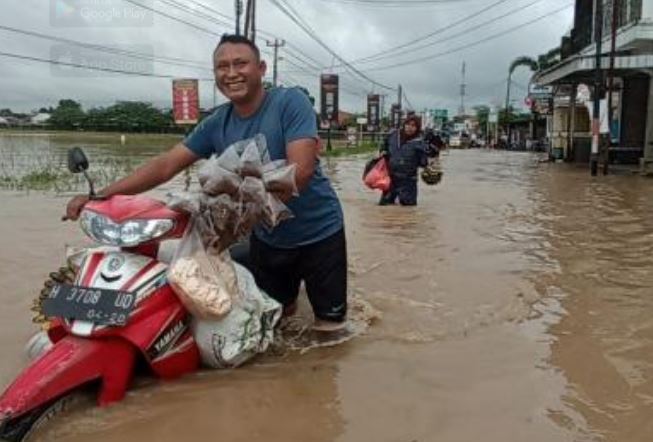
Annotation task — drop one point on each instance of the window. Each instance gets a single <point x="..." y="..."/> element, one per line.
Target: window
<point x="629" y="11"/>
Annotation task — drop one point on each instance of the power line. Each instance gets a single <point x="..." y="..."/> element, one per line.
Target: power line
<point x="396" y="3"/>
<point x="175" y="61"/>
<point x="172" y="17"/>
<point x="430" y="34"/>
<point x="410" y="105"/>
<point x="294" y="16"/>
<point x="92" y="68"/>
<point x="464" y="32"/>
<point x="288" y="10"/>
<point x="124" y="52"/>
<point x="228" y="18"/>
<point x="470" y="45"/>
<point x="292" y="49"/>
<point x="195" y="13"/>
<point x="228" y="21"/>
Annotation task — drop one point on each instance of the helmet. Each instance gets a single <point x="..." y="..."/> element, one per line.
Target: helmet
<point x="431" y="175"/>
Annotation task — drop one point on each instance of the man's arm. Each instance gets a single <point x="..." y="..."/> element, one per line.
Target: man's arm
<point x="303" y="153"/>
<point x="153" y="173"/>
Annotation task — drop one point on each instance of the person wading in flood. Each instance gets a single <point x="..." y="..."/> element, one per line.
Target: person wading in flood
<point x="309" y="247"/>
<point x="406" y="152"/>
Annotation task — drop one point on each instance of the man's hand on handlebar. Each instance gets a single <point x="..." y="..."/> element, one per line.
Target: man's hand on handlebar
<point x="74" y="207"/>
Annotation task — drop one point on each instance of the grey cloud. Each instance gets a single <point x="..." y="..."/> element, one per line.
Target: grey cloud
<point x="353" y="31"/>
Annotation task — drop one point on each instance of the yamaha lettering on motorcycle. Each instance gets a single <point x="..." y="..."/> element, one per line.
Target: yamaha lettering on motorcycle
<point x="168" y="339"/>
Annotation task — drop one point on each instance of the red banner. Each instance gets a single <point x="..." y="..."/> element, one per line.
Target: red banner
<point x="185" y="101"/>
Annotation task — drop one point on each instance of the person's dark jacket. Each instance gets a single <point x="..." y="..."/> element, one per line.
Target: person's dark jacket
<point x="405" y="159"/>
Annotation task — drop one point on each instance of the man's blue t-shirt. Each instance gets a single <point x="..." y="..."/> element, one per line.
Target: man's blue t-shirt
<point x="285" y="115"/>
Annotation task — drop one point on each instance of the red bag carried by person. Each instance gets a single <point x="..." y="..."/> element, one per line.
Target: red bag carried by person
<point x="378" y="176"/>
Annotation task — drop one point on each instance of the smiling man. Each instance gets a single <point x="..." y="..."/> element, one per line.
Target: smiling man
<point x="311" y="246"/>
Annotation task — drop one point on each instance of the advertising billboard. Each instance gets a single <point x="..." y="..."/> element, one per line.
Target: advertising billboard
<point x="185" y="101"/>
<point x="373" y="111"/>
<point x="329" y="97"/>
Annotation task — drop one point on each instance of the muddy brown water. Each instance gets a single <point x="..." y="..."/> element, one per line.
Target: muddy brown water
<point x="515" y="305"/>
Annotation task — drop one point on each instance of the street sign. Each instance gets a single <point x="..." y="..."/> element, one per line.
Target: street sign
<point x="440" y="114"/>
<point x="493" y="118"/>
<point x="361" y="120"/>
<point x="329" y="97"/>
<point x="185" y="101"/>
<point x="535" y="90"/>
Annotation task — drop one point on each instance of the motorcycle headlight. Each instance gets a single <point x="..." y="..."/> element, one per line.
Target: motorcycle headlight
<point x="127" y="234"/>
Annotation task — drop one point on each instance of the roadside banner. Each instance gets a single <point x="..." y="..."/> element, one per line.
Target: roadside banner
<point x="373" y="111"/>
<point x="185" y="101"/>
<point x="329" y="97"/>
<point x="540" y="99"/>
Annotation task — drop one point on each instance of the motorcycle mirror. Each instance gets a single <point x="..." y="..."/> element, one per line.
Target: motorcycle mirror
<point x="77" y="161"/>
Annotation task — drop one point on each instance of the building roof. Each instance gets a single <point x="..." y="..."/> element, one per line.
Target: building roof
<point x="41" y="117"/>
<point x="581" y="68"/>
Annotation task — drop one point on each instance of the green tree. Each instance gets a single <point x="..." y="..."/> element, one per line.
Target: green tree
<point x="482" y="115"/>
<point x="67" y="115"/>
<point x="128" y="116"/>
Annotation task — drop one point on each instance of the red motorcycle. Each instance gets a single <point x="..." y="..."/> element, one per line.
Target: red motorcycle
<point x="119" y="314"/>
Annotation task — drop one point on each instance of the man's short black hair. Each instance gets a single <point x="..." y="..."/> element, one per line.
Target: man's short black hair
<point x="238" y="39"/>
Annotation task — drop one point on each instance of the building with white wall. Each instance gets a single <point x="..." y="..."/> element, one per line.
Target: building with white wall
<point x="632" y="97"/>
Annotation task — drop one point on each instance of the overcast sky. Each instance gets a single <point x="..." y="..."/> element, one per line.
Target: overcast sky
<point x="353" y="29"/>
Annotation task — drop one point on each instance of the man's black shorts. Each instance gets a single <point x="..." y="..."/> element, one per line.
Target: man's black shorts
<point x="322" y="266"/>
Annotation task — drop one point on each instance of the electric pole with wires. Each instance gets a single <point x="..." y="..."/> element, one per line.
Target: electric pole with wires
<point x="276" y="44"/>
<point x="463" y="90"/>
<point x="399" y="97"/>
<point x="250" y="20"/>
<point x="598" y="86"/>
<point x="613" y="42"/>
<point x="238" y="6"/>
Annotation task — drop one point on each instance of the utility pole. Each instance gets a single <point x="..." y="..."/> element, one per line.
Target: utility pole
<point x="399" y="97"/>
<point x="250" y="20"/>
<point x="598" y="85"/>
<point x="613" y="44"/>
<point x="463" y="87"/>
<point x="238" y="6"/>
<point x="508" y="132"/>
<point x="276" y="44"/>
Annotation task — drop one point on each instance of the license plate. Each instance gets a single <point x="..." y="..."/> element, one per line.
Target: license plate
<point x="100" y="306"/>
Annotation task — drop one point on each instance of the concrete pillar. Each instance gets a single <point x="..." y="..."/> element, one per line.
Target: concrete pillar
<point x="574" y="94"/>
<point x="647" y="160"/>
<point x="647" y="10"/>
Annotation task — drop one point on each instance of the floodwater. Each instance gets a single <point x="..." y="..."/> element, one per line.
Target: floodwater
<point x="514" y="304"/>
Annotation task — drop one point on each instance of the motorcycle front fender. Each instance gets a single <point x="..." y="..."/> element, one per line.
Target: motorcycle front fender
<point x="72" y="362"/>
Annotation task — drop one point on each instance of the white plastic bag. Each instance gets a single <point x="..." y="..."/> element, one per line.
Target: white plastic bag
<point x="246" y="331"/>
<point x="205" y="284"/>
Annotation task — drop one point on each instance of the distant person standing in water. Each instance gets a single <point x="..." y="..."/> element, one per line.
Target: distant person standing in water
<point x="406" y="152"/>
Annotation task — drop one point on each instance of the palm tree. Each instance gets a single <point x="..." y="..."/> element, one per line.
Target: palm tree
<point x="517" y="62"/>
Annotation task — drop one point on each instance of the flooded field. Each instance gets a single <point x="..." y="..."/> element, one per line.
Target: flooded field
<point x="514" y="305"/>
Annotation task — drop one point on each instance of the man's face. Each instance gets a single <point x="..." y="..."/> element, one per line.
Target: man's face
<point x="238" y="73"/>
